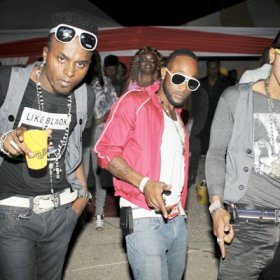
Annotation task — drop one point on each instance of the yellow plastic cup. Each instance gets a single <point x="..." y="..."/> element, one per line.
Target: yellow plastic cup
<point x="37" y="142"/>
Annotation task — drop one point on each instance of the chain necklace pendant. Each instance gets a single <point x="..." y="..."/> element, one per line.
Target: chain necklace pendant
<point x="54" y="155"/>
<point x="271" y="109"/>
<point x="57" y="170"/>
<point x="51" y="165"/>
<point x="275" y="165"/>
<point x="167" y="111"/>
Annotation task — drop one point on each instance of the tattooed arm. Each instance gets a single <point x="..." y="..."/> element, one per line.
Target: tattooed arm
<point x="153" y="190"/>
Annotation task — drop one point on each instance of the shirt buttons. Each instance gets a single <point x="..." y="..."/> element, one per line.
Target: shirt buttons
<point x="241" y="187"/>
<point x="245" y="169"/>
<point x="11" y="118"/>
<point x="248" y="151"/>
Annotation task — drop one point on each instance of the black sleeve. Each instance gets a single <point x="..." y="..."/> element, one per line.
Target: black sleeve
<point x="5" y="73"/>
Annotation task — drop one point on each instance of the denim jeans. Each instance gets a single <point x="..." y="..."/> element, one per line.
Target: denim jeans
<point x="33" y="246"/>
<point x="251" y="250"/>
<point x="157" y="249"/>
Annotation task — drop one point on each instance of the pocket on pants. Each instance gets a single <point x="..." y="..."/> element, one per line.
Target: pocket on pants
<point x="9" y="220"/>
<point x="147" y="224"/>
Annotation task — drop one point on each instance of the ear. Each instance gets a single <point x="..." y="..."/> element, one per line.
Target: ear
<point x="163" y="72"/>
<point x="271" y="55"/>
<point x="45" y="53"/>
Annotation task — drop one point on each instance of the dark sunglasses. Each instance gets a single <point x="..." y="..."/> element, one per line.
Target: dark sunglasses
<point x="65" y="33"/>
<point x="178" y="79"/>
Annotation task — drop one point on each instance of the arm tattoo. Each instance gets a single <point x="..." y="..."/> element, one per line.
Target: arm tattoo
<point x="118" y="169"/>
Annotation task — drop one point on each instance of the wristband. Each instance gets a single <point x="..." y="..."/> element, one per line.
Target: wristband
<point x="2" y="140"/>
<point x="215" y="205"/>
<point x="143" y="184"/>
<point x="84" y="194"/>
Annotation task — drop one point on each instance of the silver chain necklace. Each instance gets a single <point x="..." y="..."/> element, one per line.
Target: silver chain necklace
<point x="166" y="110"/>
<point x="54" y="155"/>
<point x="275" y="165"/>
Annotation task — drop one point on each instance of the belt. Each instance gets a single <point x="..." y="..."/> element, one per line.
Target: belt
<point x="176" y="210"/>
<point x="41" y="203"/>
<point x="247" y="211"/>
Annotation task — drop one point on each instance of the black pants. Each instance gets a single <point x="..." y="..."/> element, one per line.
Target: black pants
<point x="34" y="247"/>
<point x="273" y="271"/>
<point x="251" y="251"/>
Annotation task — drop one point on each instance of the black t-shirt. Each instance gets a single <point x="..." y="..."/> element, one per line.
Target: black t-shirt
<point x="16" y="178"/>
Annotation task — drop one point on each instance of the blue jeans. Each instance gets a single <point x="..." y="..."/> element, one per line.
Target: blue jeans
<point x="251" y="250"/>
<point x="157" y="249"/>
<point x="34" y="246"/>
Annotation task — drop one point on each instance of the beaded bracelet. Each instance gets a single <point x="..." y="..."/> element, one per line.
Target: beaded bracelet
<point x="2" y="140"/>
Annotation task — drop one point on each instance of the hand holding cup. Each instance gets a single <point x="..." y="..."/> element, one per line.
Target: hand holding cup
<point x="37" y="141"/>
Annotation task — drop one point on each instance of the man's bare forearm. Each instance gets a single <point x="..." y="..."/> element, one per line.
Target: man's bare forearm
<point x="120" y="169"/>
<point x="80" y="174"/>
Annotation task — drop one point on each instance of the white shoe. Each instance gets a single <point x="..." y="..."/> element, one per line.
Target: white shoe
<point x="99" y="224"/>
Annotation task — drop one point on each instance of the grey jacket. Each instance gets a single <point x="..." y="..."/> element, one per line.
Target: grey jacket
<point x="8" y="112"/>
<point x="230" y="156"/>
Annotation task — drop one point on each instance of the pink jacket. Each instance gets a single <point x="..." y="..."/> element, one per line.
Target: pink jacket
<point x="134" y="131"/>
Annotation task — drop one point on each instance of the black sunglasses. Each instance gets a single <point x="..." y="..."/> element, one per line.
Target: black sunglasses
<point x="65" y="33"/>
<point x="178" y="79"/>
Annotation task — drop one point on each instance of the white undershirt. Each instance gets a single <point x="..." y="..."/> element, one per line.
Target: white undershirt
<point x="172" y="159"/>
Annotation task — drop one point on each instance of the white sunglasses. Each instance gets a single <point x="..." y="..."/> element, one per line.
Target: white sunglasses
<point x="178" y="79"/>
<point x="65" y="33"/>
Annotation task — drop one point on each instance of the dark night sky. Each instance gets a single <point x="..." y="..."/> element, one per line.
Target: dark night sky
<point x="167" y="12"/>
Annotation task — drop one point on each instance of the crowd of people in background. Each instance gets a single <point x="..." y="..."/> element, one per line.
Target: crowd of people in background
<point x="105" y="95"/>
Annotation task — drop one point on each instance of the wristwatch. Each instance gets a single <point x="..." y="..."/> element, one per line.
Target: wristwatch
<point x="215" y="205"/>
<point x="84" y="194"/>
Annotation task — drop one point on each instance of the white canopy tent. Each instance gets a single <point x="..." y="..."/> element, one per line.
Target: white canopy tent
<point x="23" y="39"/>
